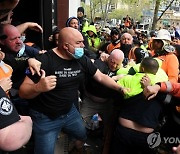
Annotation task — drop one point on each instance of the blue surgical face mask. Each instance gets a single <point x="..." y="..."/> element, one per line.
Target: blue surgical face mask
<point x="78" y="53"/>
<point x="23" y="38"/>
<point x="21" y="52"/>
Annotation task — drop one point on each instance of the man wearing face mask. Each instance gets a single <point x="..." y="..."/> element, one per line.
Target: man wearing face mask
<point x="12" y="45"/>
<point x="126" y="45"/>
<point x="52" y="98"/>
<point x="75" y="23"/>
<point x="16" y="55"/>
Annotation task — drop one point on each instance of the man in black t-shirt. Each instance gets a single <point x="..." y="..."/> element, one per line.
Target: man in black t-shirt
<point x="99" y="98"/>
<point x="52" y="97"/>
<point x="15" y="130"/>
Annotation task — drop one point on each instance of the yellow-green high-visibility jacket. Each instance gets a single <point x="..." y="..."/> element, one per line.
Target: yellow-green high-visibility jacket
<point x="96" y="40"/>
<point x="133" y="83"/>
<point x="160" y="76"/>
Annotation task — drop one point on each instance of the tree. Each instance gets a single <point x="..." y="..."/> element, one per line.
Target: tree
<point x="100" y="8"/>
<point x="94" y="5"/>
<point x="105" y="10"/>
<point x="157" y="8"/>
<point x="135" y="8"/>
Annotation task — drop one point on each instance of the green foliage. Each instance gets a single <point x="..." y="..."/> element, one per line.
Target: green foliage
<point x="101" y="8"/>
<point x="118" y="14"/>
<point x="121" y="13"/>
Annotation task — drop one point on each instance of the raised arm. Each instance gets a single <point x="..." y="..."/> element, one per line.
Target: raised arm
<point x="29" y="25"/>
<point x="107" y="81"/>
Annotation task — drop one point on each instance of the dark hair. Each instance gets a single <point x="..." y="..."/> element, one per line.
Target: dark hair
<point x="55" y="30"/>
<point x="152" y="33"/>
<point x="2" y="35"/>
<point x="177" y="48"/>
<point x="115" y="30"/>
<point x="69" y="20"/>
<point x="136" y="42"/>
<point x="144" y="35"/>
<point x="80" y="9"/>
<point x="150" y="65"/>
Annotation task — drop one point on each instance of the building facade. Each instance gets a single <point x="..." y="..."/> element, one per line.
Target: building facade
<point x="47" y="13"/>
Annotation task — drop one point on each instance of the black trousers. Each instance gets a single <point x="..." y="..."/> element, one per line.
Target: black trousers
<point x="129" y="141"/>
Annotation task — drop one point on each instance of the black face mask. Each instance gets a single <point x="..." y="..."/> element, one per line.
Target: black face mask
<point x="126" y="48"/>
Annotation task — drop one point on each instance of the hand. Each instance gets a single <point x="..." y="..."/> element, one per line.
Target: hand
<point x="176" y="150"/>
<point x="2" y="55"/>
<point x="124" y="90"/>
<point x="114" y="78"/>
<point x="8" y="19"/>
<point x="131" y="62"/>
<point x="42" y="51"/>
<point x="104" y="56"/>
<point x="117" y="77"/>
<point x="6" y="84"/>
<point x="50" y="38"/>
<point x="34" y="66"/>
<point x="46" y="83"/>
<point x="145" y="81"/>
<point x="151" y="91"/>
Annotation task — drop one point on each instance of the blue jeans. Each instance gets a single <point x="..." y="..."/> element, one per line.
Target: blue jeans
<point x="46" y="130"/>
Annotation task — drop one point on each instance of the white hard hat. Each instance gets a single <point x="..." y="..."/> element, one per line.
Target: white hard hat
<point x="163" y="34"/>
<point x="106" y="30"/>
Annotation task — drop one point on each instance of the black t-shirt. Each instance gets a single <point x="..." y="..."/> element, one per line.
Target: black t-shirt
<point x="70" y="74"/>
<point x="8" y="113"/>
<point x="19" y="64"/>
<point x="143" y="111"/>
<point x="97" y="89"/>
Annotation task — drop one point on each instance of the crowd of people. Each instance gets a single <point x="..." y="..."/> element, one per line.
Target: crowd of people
<point x="130" y="78"/>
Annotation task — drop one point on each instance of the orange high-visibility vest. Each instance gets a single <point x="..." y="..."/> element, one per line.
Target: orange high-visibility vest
<point x="111" y="47"/>
<point x="5" y="70"/>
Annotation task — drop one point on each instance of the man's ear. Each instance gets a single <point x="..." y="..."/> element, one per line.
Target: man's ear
<point x="65" y="46"/>
<point x="142" y="69"/>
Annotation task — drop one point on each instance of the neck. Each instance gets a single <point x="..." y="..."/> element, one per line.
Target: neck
<point x="61" y="53"/>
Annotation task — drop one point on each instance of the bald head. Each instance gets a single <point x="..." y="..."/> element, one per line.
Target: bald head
<point x="132" y="32"/>
<point x="69" y="34"/>
<point x="115" y="59"/>
<point x="69" y="40"/>
<point x="117" y="54"/>
<point x="8" y="28"/>
<point x="126" y="38"/>
<point x="10" y="38"/>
